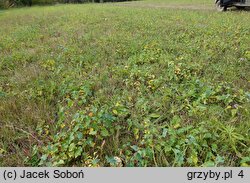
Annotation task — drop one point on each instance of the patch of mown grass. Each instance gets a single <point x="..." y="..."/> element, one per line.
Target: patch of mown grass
<point x="95" y="85"/>
<point x="193" y="2"/>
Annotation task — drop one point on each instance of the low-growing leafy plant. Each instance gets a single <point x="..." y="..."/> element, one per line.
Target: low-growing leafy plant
<point x="124" y="87"/>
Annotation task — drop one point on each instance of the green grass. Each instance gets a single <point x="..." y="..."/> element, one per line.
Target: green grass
<point x="193" y="2"/>
<point x="93" y="85"/>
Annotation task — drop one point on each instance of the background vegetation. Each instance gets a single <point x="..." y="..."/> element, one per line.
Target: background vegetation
<point x="111" y="85"/>
<point x="15" y="3"/>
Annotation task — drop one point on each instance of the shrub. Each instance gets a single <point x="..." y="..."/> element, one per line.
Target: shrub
<point x="12" y="3"/>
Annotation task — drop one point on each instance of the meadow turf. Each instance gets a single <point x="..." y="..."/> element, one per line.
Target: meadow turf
<point x="111" y="85"/>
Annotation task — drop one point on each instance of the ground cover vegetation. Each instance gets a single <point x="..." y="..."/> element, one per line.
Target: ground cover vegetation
<point x="109" y="85"/>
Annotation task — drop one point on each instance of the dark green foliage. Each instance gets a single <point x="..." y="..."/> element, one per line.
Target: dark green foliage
<point x="12" y="3"/>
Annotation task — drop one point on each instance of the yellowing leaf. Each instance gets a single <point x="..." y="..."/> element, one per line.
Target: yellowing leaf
<point x="244" y="165"/>
<point x="177" y="126"/>
<point x="92" y="131"/>
<point x="195" y="159"/>
<point x="115" y="112"/>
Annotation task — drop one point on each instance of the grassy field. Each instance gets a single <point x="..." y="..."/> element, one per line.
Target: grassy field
<point x="111" y="85"/>
<point x="178" y="2"/>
